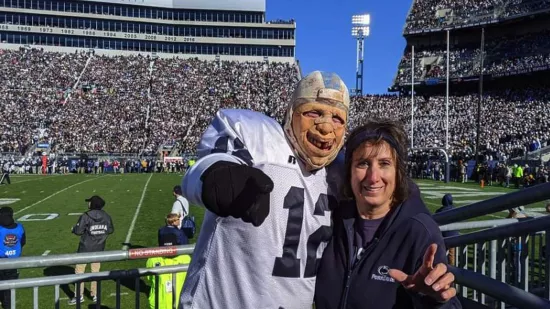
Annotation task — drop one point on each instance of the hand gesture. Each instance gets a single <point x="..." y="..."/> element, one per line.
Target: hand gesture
<point x="428" y="280"/>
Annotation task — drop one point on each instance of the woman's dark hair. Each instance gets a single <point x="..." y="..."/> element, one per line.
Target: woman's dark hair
<point x="377" y="131"/>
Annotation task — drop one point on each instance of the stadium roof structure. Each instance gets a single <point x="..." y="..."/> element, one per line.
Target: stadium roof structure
<point x="240" y="5"/>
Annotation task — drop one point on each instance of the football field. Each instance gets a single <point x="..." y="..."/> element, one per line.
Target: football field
<point x="48" y="207"/>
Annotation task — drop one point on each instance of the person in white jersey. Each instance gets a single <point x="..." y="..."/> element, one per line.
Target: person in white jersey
<point x="181" y="205"/>
<point x="268" y="199"/>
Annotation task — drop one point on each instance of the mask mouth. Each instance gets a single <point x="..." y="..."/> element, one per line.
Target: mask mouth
<point x="319" y="143"/>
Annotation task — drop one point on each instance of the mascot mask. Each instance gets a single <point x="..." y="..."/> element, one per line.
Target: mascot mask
<point x="316" y="118"/>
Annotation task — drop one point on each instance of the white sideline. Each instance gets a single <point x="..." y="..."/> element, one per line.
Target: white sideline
<point x="35" y="178"/>
<point x="131" y="229"/>
<point x="54" y="194"/>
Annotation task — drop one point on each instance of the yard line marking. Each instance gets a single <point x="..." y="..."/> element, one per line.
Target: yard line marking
<point x="75" y="214"/>
<point x="114" y="294"/>
<point x="22" y="181"/>
<point x="52" y="195"/>
<point x="131" y="229"/>
<point x="451" y="188"/>
<point x="537" y="209"/>
<point x="46" y="252"/>
<point x="466" y="202"/>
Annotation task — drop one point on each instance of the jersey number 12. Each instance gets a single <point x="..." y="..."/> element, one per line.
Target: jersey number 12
<point x="289" y="264"/>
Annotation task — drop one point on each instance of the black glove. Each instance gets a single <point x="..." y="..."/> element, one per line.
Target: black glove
<point x="240" y="191"/>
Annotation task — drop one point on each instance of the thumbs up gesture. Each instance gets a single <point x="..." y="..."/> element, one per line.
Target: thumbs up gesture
<point x="428" y="280"/>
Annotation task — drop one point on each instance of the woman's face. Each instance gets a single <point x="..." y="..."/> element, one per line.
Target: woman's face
<point x="373" y="175"/>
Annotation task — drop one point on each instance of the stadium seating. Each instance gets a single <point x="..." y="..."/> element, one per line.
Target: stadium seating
<point x="127" y="104"/>
<point x="437" y="14"/>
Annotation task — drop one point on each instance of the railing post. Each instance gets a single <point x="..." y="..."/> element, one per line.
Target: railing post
<point x="56" y="292"/>
<point x="35" y="297"/>
<point x="483" y="255"/>
<point x="476" y="245"/>
<point x="463" y="288"/>
<point x="13" y="300"/>
<point x="525" y="241"/>
<point x="493" y="259"/>
<point x="547" y="267"/>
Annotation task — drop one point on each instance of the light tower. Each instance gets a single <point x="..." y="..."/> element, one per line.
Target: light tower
<point x="360" y="30"/>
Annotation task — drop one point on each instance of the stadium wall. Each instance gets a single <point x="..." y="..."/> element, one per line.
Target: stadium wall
<point x="108" y="52"/>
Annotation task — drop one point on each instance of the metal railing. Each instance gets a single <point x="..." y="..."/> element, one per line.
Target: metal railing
<point x="505" y="264"/>
<point x="94" y="257"/>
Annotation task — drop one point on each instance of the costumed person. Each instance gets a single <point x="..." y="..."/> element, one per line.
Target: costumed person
<point x="268" y="194"/>
<point x="164" y="295"/>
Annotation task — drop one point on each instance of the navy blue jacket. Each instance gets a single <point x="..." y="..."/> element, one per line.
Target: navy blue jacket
<point x="400" y="242"/>
<point x="447" y="204"/>
<point x="171" y="236"/>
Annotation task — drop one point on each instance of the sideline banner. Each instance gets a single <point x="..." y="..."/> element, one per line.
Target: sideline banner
<point x="173" y="159"/>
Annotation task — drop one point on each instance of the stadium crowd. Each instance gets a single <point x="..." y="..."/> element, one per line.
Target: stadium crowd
<point x="126" y="104"/>
<point x="435" y="14"/>
<point x="504" y="55"/>
<point x="504" y="133"/>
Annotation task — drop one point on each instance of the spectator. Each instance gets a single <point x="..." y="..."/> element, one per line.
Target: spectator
<point x="170" y="234"/>
<point x="181" y="205"/>
<point x="5" y="173"/>
<point x="13" y="239"/>
<point x="517" y="212"/>
<point x="93" y="227"/>
<point x="163" y="288"/>
<point x="447" y="204"/>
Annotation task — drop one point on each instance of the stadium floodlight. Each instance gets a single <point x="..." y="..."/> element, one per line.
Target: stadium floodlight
<point x="361" y="20"/>
<point x="360" y="30"/>
<point x="357" y="31"/>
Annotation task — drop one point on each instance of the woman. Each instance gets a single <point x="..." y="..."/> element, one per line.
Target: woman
<point x="382" y="232"/>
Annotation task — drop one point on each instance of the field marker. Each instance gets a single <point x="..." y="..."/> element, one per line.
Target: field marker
<point x="7" y="201"/>
<point x="46" y="252"/>
<point x="114" y="294"/>
<point x="131" y="230"/>
<point x="75" y="214"/>
<point x="52" y="195"/>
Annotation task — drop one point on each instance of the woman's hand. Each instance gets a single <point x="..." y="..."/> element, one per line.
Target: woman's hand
<point x="428" y="280"/>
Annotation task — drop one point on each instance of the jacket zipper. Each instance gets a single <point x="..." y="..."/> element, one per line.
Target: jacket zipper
<point x="351" y="270"/>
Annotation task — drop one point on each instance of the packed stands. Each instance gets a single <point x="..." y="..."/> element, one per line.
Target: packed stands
<point x="512" y="122"/>
<point x="430" y="15"/>
<point x="503" y="55"/>
<point x="130" y="104"/>
<point x="127" y="104"/>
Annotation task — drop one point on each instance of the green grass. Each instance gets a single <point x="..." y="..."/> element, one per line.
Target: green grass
<point x="468" y="193"/>
<point x="64" y="195"/>
<point x="44" y="195"/>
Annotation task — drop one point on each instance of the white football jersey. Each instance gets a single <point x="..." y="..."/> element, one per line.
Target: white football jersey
<point x="237" y="265"/>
